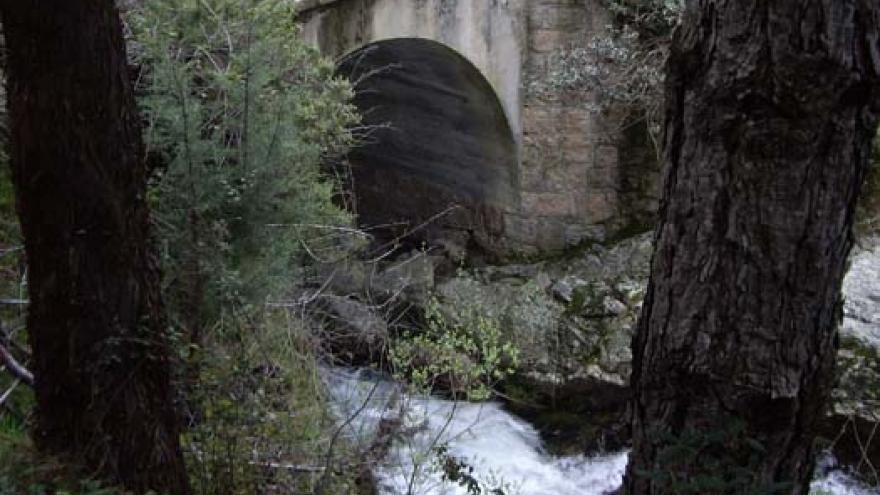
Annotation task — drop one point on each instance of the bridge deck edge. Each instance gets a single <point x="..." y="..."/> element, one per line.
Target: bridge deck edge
<point x="306" y="6"/>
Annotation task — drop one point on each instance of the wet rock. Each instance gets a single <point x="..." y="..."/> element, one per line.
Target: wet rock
<point x="573" y="319"/>
<point x="354" y="331"/>
<point x="511" y="273"/>
<point x="347" y="277"/>
<point x="564" y="289"/>
<point x="861" y="289"/>
<point x="578" y="327"/>
<point x="559" y="413"/>
<point x="410" y="277"/>
<point x="527" y="316"/>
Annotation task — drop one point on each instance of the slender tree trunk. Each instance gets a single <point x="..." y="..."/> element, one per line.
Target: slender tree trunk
<point x="96" y="321"/>
<point x="771" y="107"/>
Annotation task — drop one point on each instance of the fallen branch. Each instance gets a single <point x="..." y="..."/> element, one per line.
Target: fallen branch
<point x="14" y="367"/>
<point x="7" y="337"/>
<point x="14" y="302"/>
<point x="9" y="392"/>
<point x="296" y="468"/>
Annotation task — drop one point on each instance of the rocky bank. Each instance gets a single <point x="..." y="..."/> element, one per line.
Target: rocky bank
<point x="572" y="319"/>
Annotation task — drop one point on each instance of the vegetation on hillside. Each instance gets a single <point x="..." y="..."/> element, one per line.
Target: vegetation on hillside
<point x="241" y="119"/>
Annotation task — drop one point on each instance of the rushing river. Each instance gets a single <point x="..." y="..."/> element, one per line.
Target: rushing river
<point x="504" y="451"/>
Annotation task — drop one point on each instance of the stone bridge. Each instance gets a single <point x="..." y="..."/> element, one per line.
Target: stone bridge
<point x="461" y="149"/>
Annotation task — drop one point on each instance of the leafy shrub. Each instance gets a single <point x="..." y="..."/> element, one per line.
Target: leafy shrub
<point x="463" y="353"/>
<point x="266" y="425"/>
<point x="23" y="471"/>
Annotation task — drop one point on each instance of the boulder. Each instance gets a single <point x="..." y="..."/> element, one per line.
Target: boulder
<point x="410" y="277"/>
<point x="861" y="289"/>
<point x="354" y="331"/>
<point x="573" y="319"/>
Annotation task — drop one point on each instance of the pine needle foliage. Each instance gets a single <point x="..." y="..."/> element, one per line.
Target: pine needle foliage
<point x="241" y="115"/>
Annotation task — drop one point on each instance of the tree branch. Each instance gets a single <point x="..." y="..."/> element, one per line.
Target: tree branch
<point x="14" y="367"/>
<point x="9" y="392"/>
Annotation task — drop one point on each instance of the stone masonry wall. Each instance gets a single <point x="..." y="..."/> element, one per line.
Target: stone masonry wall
<point x="569" y="169"/>
<point x="571" y="187"/>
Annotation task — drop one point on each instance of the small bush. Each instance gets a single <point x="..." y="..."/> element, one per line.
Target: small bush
<point x="23" y="471"/>
<point x="265" y="423"/>
<point x="463" y="353"/>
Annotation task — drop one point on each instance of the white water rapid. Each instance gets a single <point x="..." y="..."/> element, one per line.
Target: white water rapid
<point x="504" y="451"/>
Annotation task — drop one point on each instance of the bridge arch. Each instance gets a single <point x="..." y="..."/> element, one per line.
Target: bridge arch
<point x="442" y="154"/>
<point x="574" y="181"/>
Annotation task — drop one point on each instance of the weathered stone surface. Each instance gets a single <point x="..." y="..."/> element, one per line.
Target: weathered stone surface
<point x="410" y="278"/>
<point x="352" y="329"/>
<point x="862" y="288"/>
<point x="573" y="320"/>
<point x="856" y="397"/>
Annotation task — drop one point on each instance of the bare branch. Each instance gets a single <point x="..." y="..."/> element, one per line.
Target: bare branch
<point x="14" y="367"/>
<point x="14" y="302"/>
<point x="295" y="468"/>
<point x="9" y="391"/>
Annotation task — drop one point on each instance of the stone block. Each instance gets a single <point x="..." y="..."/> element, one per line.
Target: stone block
<point x="538" y="117"/>
<point x="548" y="204"/>
<point x="576" y="234"/>
<point x="578" y="149"/>
<point x="551" y="235"/>
<point x="564" y="178"/>
<point x="547" y="40"/>
<point x="569" y="18"/>
<point x="604" y="178"/>
<point x="520" y="230"/>
<point x="599" y="206"/>
<point x="607" y="157"/>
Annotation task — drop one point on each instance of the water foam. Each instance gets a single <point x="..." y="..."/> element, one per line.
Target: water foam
<point x="503" y="450"/>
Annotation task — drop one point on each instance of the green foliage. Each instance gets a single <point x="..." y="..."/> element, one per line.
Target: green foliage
<point x="462" y="474"/>
<point x="265" y="420"/>
<point x="241" y="114"/>
<point x="17" y="406"/>
<point x="464" y="353"/>
<point x="868" y="212"/>
<point x="23" y="471"/>
<point x="857" y="395"/>
<point x="723" y="459"/>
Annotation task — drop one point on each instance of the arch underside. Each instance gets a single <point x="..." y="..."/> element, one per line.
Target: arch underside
<point x="441" y="156"/>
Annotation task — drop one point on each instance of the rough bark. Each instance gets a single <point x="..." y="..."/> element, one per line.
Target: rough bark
<point x="771" y="106"/>
<point x="96" y="322"/>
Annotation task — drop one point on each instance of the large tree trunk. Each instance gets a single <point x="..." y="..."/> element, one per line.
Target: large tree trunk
<point x="771" y="107"/>
<point x="96" y="321"/>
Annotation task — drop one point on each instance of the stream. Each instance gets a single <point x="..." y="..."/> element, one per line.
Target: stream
<point x="506" y="454"/>
<point x="504" y="451"/>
